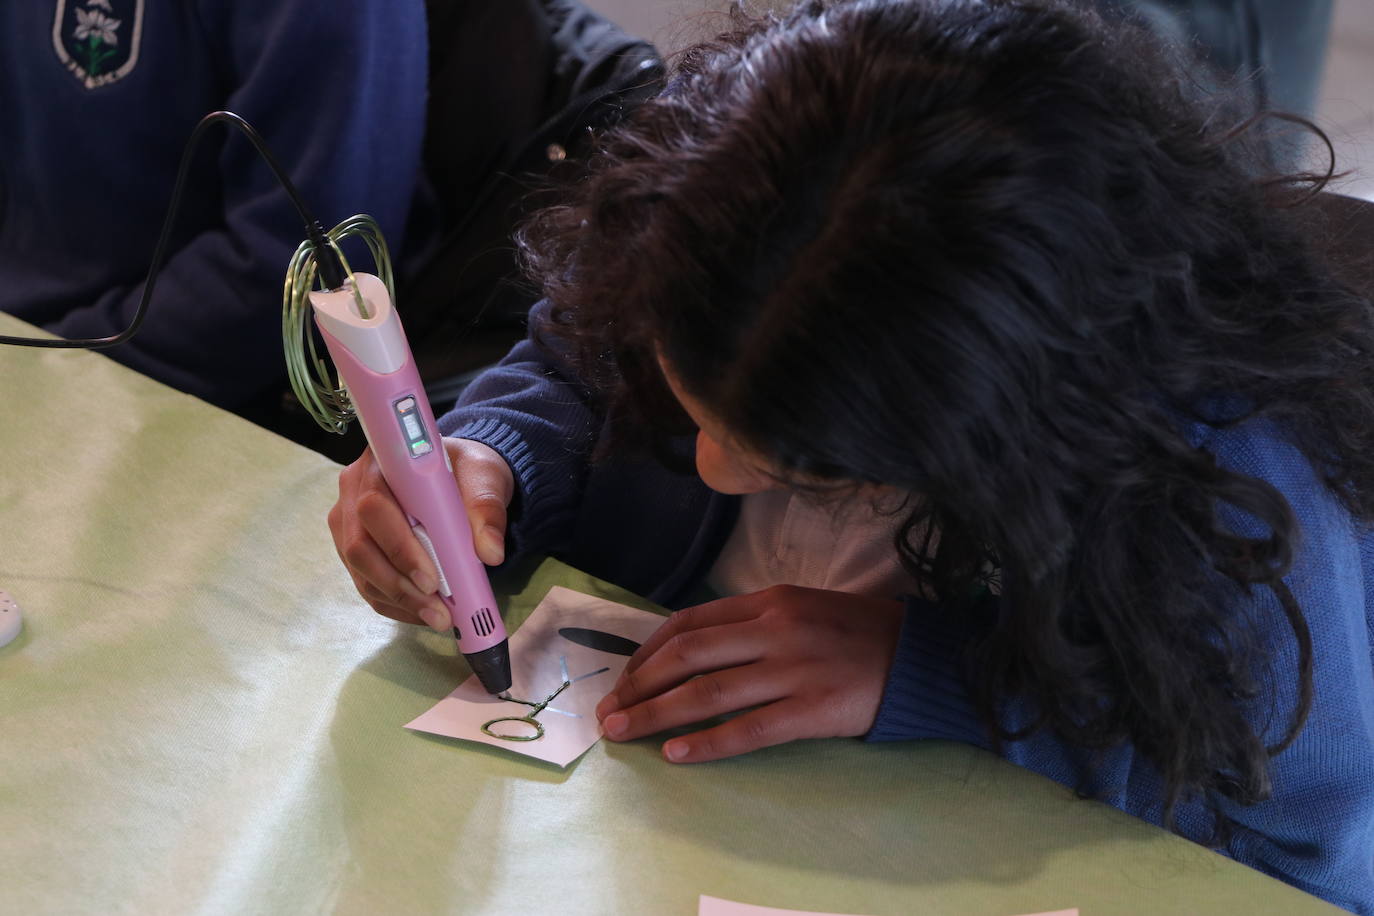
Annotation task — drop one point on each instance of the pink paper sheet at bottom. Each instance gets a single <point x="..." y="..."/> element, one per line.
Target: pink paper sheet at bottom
<point x="715" y="906"/>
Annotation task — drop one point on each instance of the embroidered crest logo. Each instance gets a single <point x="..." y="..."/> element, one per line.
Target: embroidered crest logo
<point x="98" y="39"/>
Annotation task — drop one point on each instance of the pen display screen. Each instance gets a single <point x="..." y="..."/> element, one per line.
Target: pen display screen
<point x="412" y="426"/>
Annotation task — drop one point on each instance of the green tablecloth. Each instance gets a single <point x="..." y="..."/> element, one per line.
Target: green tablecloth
<point x="201" y="717"/>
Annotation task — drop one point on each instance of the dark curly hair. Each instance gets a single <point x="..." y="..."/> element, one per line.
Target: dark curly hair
<point x="995" y="254"/>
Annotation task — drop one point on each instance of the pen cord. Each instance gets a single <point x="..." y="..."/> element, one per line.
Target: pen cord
<point x="330" y="270"/>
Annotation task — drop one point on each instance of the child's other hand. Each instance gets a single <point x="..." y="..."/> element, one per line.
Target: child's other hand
<point x="389" y="566"/>
<point x="804" y="662"/>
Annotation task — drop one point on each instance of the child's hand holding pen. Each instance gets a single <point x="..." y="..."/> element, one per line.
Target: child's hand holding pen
<point x="389" y="566"/>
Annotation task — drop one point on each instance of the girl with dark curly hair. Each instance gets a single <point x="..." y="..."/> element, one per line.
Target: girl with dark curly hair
<point x="961" y="301"/>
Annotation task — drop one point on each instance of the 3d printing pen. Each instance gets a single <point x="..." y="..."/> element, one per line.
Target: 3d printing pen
<point x="363" y="333"/>
<point x="374" y="363"/>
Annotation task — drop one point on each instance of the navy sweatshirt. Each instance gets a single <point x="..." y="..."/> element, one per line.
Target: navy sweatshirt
<point x="640" y="525"/>
<point x="97" y="99"/>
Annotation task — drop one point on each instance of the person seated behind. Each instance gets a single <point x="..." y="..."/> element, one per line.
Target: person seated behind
<point x="1275" y="48"/>
<point x="100" y="98"/>
<point x="961" y="301"/>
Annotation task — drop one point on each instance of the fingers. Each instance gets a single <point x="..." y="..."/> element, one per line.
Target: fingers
<point x="703" y="697"/>
<point x="384" y="606"/>
<point x="390" y="593"/>
<point x="788" y="662"/>
<point x="373" y="539"/>
<point x="397" y="554"/>
<point x="684" y="655"/>
<point x="776" y="723"/>
<point x="712" y="614"/>
<point x="486" y="485"/>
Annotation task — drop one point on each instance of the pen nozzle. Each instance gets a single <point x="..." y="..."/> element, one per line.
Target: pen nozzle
<point x="492" y="667"/>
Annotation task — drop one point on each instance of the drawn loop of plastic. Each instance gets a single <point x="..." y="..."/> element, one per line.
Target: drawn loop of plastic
<point x="536" y="709"/>
<point x="508" y="735"/>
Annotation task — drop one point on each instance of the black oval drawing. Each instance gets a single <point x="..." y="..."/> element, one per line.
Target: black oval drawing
<point x="596" y="639"/>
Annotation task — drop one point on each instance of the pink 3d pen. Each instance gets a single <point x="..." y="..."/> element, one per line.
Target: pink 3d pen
<point x="374" y="363"/>
<point x="364" y="336"/>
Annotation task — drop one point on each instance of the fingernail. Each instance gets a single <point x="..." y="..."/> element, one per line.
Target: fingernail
<point x="424" y="582"/>
<point x="495" y="543"/>
<point x="676" y="750"/>
<point x="437" y="619"/>
<point x="607" y="706"/>
<point x="615" y="724"/>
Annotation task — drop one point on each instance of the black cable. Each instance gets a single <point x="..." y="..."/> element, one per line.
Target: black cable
<point x="331" y="271"/>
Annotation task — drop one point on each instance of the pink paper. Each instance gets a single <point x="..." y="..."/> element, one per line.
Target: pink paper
<point x="715" y="906"/>
<point x="559" y="641"/>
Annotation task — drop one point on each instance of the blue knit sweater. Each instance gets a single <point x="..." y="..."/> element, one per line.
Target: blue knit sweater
<point x="657" y="532"/>
<point x="98" y="98"/>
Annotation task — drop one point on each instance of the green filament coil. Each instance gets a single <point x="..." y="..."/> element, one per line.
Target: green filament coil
<point x="316" y="384"/>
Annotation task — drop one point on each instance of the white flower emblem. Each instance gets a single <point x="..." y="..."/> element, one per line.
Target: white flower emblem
<point x="103" y="4"/>
<point x="97" y="25"/>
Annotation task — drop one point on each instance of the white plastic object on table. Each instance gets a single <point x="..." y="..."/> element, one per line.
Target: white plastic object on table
<point x="11" y="619"/>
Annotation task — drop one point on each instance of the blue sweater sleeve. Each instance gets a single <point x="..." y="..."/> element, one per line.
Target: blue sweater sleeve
<point x="531" y="408"/>
<point x="1317" y="830"/>
<point x="337" y="89"/>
